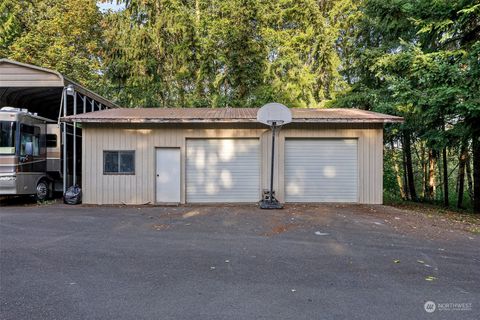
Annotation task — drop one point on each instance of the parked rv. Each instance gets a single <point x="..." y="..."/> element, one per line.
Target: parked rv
<point x="30" y="154"/>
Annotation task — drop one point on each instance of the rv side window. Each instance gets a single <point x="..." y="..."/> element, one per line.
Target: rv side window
<point x="118" y="162"/>
<point x="51" y="140"/>
<point x="29" y="134"/>
<point x="7" y="137"/>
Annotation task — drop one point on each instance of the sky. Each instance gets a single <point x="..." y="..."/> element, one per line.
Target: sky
<point x="113" y="6"/>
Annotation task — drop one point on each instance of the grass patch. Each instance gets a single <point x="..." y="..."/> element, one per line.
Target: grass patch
<point x="46" y="202"/>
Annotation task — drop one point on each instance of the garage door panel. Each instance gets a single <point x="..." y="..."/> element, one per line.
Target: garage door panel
<point x="223" y="170"/>
<point x="321" y="170"/>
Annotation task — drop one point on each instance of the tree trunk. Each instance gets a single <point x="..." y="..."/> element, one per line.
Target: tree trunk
<point x="476" y="171"/>
<point x="440" y="176"/>
<point x="197" y="14"/>
<point x="199" y="81"/>
<point x="468" y="170"/>
<point x="432" y="178"/>
<point x="462" y="159"/>
<point x="405" y="179"/>
<point x="424" y="170"/>
<point x="397" y="171"/>
<point x="445" y="177"/>
<point x="409" y="165"/>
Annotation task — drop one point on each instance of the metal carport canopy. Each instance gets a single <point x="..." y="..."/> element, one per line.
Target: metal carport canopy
<point x="40" y="90"/>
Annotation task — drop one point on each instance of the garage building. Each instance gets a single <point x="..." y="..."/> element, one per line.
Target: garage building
<point x="180" y="155"/>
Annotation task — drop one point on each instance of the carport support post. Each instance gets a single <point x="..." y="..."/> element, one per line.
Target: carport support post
<point x="75" y="141"/>
<point x="64" y="138"/>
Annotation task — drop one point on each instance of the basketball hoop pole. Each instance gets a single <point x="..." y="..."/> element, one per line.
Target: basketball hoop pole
<point x="273" y="115"/>
<point x="273" y="161"/>
<point x="272" y="203"/>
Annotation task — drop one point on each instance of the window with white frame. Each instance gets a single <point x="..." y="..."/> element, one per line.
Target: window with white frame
<point x="119" y="162"/>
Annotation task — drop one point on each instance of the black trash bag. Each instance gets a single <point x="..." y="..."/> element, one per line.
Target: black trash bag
<point x="73" y="195"/>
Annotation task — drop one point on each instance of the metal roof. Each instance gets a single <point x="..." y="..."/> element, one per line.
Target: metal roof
<point x="226" y="115"/>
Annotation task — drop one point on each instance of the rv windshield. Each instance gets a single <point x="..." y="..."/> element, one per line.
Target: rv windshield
<point x="7" y="137"/>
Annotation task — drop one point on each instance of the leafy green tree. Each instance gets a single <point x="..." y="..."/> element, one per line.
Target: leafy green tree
<point x="302" y="64"/>
<point x="150" y="52"/>
<point x="9" y="24"/>
<point x="61" y="35"/>
<point x="418" y="59"/>
<point x="224" y="53"/>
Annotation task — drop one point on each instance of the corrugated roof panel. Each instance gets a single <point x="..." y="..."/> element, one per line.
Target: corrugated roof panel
<point x="209" y="115"/>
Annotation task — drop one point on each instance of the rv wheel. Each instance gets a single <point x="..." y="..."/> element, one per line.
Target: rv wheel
<point x="43" y="190"/>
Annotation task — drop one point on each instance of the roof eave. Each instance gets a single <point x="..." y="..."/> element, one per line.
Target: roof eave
<point x="91" y="94"/>
<point x="213" y="121"/>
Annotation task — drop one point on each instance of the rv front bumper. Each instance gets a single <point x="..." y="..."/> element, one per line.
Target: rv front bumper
<point x="8" y="184"/>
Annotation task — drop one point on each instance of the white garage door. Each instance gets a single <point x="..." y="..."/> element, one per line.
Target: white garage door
<point x="321" y="170"/>
<point x="223" y="170"/>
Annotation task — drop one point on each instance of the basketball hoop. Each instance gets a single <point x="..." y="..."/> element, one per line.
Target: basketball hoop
<point x="274" y="115"/>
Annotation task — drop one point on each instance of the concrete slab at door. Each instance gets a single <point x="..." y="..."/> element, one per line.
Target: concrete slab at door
<point x="168" y="175"/>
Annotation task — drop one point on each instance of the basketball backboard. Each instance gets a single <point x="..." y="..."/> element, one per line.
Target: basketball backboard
<point x="274" y="113"/>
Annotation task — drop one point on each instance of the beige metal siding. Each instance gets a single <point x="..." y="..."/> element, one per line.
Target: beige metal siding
<point x="140" y="188"/>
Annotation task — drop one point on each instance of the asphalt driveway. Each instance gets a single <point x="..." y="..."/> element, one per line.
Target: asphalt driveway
<point x="304" y="262"/>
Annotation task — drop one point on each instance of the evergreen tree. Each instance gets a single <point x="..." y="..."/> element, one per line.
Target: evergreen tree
<point x="224" y="53"/>
<point x="420" y="60"/>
